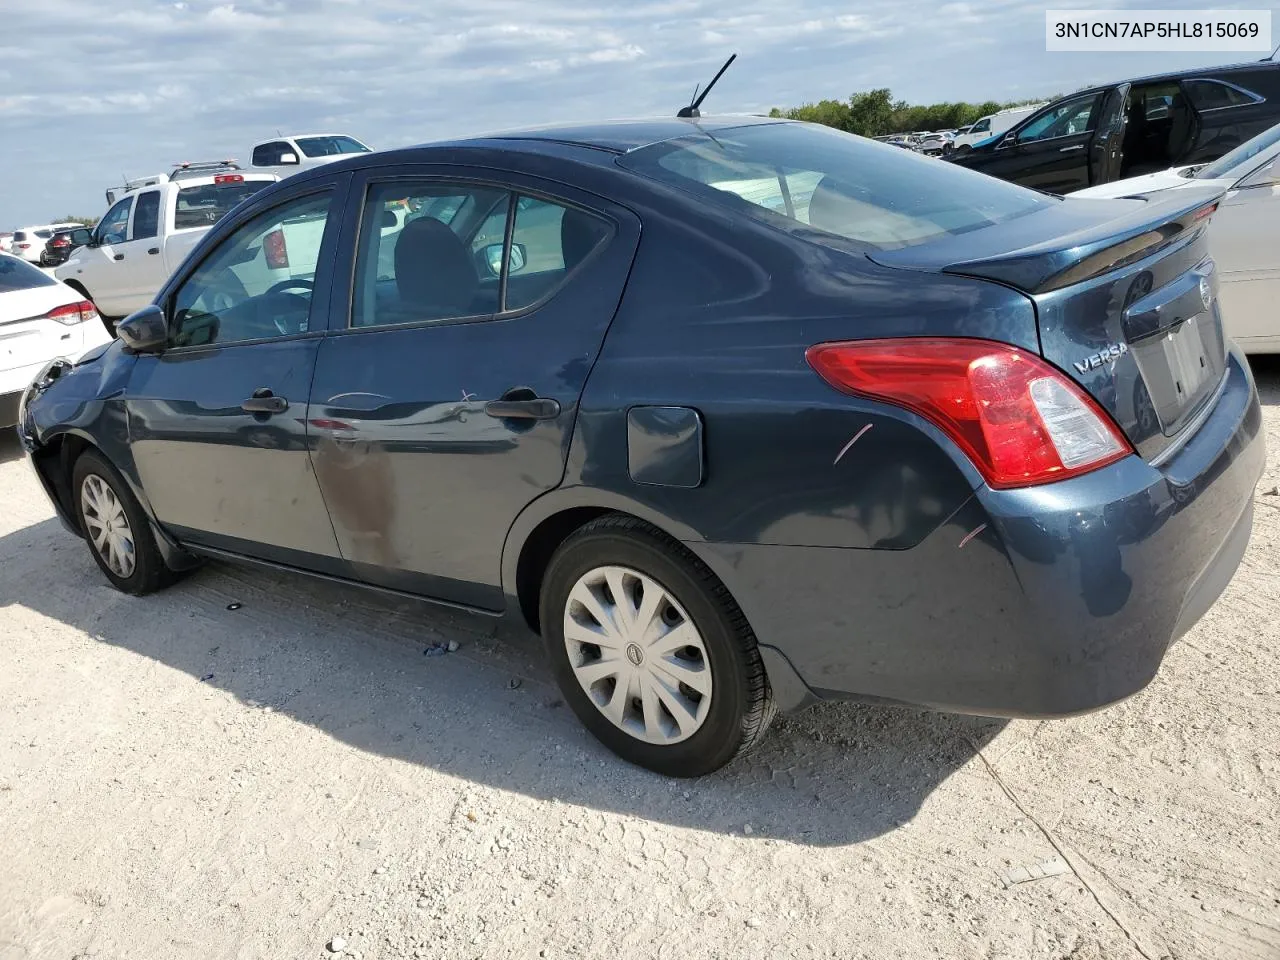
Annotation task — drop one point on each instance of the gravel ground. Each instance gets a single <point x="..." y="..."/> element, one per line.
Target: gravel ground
<point x="180" y="779"/>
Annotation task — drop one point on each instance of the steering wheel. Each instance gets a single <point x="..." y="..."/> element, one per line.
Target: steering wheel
<point x="298" y="283"/>
<point x="283" y="286"/>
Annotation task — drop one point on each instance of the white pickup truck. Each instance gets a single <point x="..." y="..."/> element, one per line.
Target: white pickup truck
<point x="125" y="259"/>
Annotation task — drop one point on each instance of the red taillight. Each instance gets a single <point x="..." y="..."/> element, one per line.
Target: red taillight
<point x="73" y="313"/>
<point x="58" y="242"/>
<point x="23" y="246"/>
<point x="227" y="178"/>
<point x="1018" y="419"/>
<point x="274" y="249"/>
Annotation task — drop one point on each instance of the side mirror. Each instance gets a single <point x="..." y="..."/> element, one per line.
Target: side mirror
<point x="145" y="330"/>
<point x="81" y="238"/>
<point x="492" y="257"/>
<point x="288" y="159"/>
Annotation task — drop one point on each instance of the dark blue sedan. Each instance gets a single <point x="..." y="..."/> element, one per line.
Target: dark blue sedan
<point x="737" y="413"/>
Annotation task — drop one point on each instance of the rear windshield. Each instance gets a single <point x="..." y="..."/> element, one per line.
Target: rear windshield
<point x="330" y="146"/>
<point x="1225" y="165"/>
<point x="17" y="274"/>
<point x="205" y="205"/>
<point x="838" y="183"/>
<point x="19" y="235"/>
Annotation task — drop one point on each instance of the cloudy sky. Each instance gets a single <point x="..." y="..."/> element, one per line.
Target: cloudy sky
<point x="93" y="89"/>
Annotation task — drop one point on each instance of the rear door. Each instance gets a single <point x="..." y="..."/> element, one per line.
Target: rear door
<point x="445" y="395"/>
<point x="139" y="264"/>
<point x="1050" y="151"/>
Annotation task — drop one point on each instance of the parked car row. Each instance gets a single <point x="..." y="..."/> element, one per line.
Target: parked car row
<point x="663" y="390"/>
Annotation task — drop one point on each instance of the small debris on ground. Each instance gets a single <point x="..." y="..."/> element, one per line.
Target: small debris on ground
<point x="337" y="945"/>
<point x="234" y="605"/>
<point x="436" y="650"/>
<point x="514" y="683"/>
<point x="452" y="646"/>
<point x="1038" y="871"/>
<point x="207" y="676"/>
<point x="1273" y="492"/>
<point x="755" y="923"/>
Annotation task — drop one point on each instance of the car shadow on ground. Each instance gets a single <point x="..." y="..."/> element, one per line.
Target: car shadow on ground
<point x="1266" y="372"/>
<point x="351" y="664"/>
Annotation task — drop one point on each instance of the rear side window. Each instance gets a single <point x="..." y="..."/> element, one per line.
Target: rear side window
<point x="1218" y="95"/>
<point x="206" y="204"/>
<point x="431" y="252"/>
<point x="330" y="146"/>
<point x="793" y="174"/>
<point x="17" y="274"/>
<point x="44" y="234"/>
<point x="146" y="216"/>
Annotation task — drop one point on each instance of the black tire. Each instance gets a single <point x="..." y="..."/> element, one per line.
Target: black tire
<point x="149" y="572"/>
<point x="741" y="706"/>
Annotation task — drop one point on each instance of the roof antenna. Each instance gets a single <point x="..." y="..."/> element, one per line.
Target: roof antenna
<point x="692" y="109"/>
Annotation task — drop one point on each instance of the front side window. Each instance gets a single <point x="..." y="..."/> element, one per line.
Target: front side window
<point x="982" y="126"/>
<point x="113" y="228"/>
<point x="146" y="218"/>
<point x="1218" y="95"/>
<point x="1064" y="120"/>
<point x="791" y="173"/>
<point x="257" y="283"/>
<point x="330" y="146"/>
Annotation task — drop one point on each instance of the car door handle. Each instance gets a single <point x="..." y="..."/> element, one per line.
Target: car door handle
<point x="1078" y="146"/>
<point x="153" y="251"/>
<point x="521" y="403"/>
<point x="118" y="256"/>
<point x="264" y="401"/>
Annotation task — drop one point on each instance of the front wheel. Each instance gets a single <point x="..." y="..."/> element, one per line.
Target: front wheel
<point x="116" y="528"/>
<point x="651" y="651"/>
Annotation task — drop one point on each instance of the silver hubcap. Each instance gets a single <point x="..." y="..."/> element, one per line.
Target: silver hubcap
<point x="107" y="524"/>
<point x="637" y="655"/>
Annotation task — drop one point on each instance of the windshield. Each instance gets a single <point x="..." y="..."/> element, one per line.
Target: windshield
<point x="1225" y="166"/>
<point x="330" y="146"/>
<point x="205" y="205"/>
<point x="17" y="274"/>
<point x="835" y="182"/>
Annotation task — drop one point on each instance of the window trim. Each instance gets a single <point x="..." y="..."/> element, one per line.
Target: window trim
<point x="514" y="192"/>
<point x="1254" y="98"/>
<point x="330" y="236"/>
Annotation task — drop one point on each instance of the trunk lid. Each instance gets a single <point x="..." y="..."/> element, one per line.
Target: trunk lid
<point x="26" y="336"/>
<point x="1125" y="296"/>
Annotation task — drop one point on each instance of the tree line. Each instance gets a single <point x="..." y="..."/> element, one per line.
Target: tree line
<point x="874" y="113"/>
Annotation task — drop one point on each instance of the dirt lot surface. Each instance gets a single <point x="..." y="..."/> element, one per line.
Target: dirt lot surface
<point x="183" y="780"/>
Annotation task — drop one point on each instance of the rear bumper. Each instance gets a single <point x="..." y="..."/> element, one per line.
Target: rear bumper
<point x="1047" y="601"/>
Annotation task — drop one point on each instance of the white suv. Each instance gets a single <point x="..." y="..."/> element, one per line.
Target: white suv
<point x="292" y="154"/>
<point x="28" y="242"/>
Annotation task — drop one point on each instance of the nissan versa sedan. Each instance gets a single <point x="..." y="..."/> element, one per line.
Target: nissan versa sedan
<point x="737" y="413"/>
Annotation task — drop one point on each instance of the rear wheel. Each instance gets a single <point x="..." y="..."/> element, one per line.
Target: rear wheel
<point x="115" y="527"/>
<point x="650" y="651"/>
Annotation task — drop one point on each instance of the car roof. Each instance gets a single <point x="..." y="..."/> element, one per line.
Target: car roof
<point x="622" y="136"/>
<point x="1196" y="73"/>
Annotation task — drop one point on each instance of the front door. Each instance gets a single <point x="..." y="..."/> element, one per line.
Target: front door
<point x="96" y="266"/>
<point x="218" y="421"/>
<point x="1050" y="151"/>
<point x="1107" y="151"/>
<point x="444" y="399"/>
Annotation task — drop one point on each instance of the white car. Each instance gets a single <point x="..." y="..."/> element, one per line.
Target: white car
<point x="1244" y="234"/>
<point x="125" y="259"/>
<point x="41" y="319"/>
<point x="303" y="151"/>
<point x="989" y="126"/>
<point x="28" y="242"/>
<point x="935" y="144"/>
